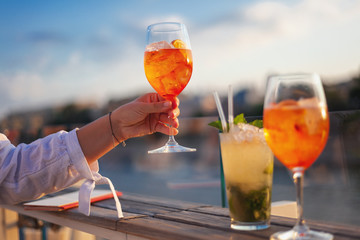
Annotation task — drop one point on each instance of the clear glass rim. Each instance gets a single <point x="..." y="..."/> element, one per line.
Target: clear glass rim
<point x="295" y="76"/>
<point x="165" y="27"/>
<point x="312" y="78"/>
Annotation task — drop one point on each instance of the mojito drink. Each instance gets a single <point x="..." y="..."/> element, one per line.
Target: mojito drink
<point x="248" y="167"/>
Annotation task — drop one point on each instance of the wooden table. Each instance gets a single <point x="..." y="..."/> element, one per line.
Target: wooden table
<point x="155" y="218"/>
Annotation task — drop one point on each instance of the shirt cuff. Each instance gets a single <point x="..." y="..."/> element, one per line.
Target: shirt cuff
<point x="77" y="157"/>
<point x="89" y="172"/>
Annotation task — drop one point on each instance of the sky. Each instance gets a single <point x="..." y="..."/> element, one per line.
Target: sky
<point x="53" y="52"/>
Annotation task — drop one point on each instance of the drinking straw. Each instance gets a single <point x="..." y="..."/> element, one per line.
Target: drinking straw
<point x="221" y="112"/>
<point x="230" y="107"/>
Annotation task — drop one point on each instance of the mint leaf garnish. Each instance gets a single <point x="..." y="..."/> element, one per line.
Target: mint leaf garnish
<point x="257" y="123"/>
<point x="238" y="119"/>
<point x="216" y="124"/>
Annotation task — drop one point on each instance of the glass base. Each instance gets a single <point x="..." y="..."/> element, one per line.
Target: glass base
<point x="172" y="148"/>
<point x="249" y="226"/>
<point x="308" y="235"/>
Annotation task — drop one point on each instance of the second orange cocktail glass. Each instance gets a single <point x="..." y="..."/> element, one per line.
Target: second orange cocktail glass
<point x="296" y="128"/>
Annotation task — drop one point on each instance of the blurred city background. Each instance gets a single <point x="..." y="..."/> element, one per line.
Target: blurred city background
<point x="64" y="64"/>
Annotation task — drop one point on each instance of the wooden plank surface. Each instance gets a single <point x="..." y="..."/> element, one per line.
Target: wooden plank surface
<point x="164" y="213"/>
<point x="157" y="218"/>
<point x="149" y="200"/>
<point x="63" y="219"/>
<point x="211" y="221"/>
<point x="339" y="230"/>
<point x="161" y="229"/>
<point x="135" y="207"/>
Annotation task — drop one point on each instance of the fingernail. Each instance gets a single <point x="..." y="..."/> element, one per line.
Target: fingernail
<point x="167" y="104"/>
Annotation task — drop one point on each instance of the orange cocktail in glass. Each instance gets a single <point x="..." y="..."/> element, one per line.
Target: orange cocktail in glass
<point x="296" y="128"/>
<point x="301" y="137"/>
<point x="168" y="67"/>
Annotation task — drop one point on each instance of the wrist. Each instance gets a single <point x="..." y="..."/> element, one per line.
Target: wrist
<point x="115" y="130"/>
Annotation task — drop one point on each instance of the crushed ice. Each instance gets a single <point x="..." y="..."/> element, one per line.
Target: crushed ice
<point x="246" y="132"/>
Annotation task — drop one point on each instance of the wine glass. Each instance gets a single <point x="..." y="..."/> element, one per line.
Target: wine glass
<point x="296" y="128"/>
<point x="168" y="67"/>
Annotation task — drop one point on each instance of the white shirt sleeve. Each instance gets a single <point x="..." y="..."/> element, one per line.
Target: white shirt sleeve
<point x="47" y="165"/>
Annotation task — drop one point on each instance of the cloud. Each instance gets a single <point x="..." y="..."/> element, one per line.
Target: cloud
<point x="20" y="90"/>
<point x="267" y="21"/>
<point x="276" y="36"/>
<point x="75" y="58"/>
<point x="45" y="37"/>
<point x="240" y="47"/>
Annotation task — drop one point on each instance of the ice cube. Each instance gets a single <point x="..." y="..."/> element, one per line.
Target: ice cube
<point x="250" y="128"/>
<point x="158" y="45"/>
<point x="309" y="102"/>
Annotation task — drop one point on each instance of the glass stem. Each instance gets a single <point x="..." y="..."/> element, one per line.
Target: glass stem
<point x="171" y="141"/>
<point x="298" y="177"/>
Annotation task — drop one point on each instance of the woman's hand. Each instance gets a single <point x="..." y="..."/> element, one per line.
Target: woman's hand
<point x="147" y="114"/>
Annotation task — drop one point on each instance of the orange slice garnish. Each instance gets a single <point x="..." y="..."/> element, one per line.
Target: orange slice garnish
<point x="178" y="43"/>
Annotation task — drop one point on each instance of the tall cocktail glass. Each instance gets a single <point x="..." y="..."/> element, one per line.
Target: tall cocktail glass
<point x="296" y="127"/>
<point x="248" y="169"/>
<point x="168" y="67"/>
